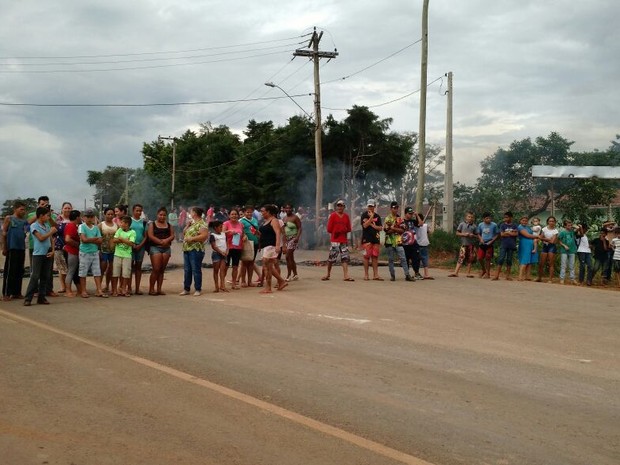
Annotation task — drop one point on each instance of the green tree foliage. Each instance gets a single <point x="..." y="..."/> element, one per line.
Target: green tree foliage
<point x="506" y="182"/>
<point x="277" y="164"/>
<point x="119" y="185"/>
<point x="372" y="160"/>
<point x="7" y="206"/>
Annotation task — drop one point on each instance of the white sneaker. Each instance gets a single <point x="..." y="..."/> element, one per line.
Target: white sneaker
<point x="196" y="294"/>
<point x="184" y="292"/>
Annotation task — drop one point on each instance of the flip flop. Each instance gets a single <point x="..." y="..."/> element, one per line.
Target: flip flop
<point x="325" y="278"/>
<point x="429" y="277"/>
<point x="453" y="275"/>
<point x="282" y="286"/>
<point x="349" y="279"/>
<point x="378" y="279"/>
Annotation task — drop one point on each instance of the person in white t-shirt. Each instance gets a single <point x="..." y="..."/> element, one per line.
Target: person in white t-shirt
<point x="584" y="254"/>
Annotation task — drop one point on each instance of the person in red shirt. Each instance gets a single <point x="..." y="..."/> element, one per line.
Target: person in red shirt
<point x="339" y="226"/>
<point x="71" y="247"/>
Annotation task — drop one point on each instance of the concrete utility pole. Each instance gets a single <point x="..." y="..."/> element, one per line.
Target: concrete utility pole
<point x="448" y="186"/>
<point x="316" y="55"/>
<point x="419" y="200"/>
<point x="174" y="166"/>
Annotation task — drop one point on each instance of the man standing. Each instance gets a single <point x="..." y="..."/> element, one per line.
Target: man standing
<point x="394" y="229"/>
<point x="338" y="226"/>
<point x="371" y="226"/>
<point x="14" y="249"/>
<point x="43" y="202"/>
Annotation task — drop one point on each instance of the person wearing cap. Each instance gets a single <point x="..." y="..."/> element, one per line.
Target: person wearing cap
<point x="410" y="241"/>
<point x="371" y="226"/>
<point x="338" y="226"/>
<point x="394" y="229"/>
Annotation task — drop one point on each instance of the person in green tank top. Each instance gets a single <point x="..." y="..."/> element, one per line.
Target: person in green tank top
<point x="292" y="233"/>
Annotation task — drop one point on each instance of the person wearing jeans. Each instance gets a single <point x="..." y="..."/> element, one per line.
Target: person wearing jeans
<point x="568" y="249"/>
<point x="584" y="254"/>
<point x="194" y="237"/>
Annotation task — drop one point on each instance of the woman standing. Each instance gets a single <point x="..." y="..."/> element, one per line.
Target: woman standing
<point x="119" y="212"/>
<point x="60" y="259"/>
<point x="108" y="229"/>
<point x="194" y="236"/>
<point x="270" y="240"/>
<point x="549" y="249"/>
<point x="233" y="230"/>
<point x="527" y="257"/>
<point x="161" y="235"/>
<point x="292" y="233"/>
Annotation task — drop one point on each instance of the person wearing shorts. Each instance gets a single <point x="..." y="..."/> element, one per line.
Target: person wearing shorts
<point x="124" y="240"/>
<point x="468" y="234"/>
<point x="488" y="232"/>
<point x="338" y="227"/>
<point x="371" y="227"/>
<point x="90" y="240"/>
<point x="217" y="239"/>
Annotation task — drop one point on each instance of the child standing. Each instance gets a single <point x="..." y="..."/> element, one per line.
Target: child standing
<point x="536" y="230"/>
<point x="584" y="254"/>
<point x="568" y="249"/>
<point x="508" y="234"/>
<point x="124" y="240"/>
<point x="489" y="232"/>
<point x="468" y="232"/>
<point x="217" y="239"/>
<point x="42" y="256"/>
<point x="90" y="240"/>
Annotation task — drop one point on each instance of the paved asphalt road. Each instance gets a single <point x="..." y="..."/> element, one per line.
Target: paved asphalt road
<point x="450" y="371"/>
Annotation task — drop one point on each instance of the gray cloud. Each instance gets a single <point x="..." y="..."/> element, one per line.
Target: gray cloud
<point x="521" y="69"/>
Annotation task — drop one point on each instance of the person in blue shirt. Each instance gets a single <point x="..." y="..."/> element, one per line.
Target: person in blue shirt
<point x="42" y="255"/>
<point x="508" y="245"/>
<point x="14" y="231"/>
<point x="488" y="232"/>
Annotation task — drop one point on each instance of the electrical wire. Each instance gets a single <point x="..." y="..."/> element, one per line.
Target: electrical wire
<point x="389" y="101"/>
<point x="144" y="60"/>
<point x="153" y="53"/>
<point x="133" y="68"/>
<point x="116" y="105"/>
<point x="374" y="64"/>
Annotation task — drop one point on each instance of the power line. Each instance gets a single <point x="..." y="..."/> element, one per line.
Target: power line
<point x="116" y="105"/>
<point x="374" y="64"/>
<point x="143" y="60"/>
<point x="132" y="68"/>
<point x="153" y="53"/>
<point x="389" y="101"/>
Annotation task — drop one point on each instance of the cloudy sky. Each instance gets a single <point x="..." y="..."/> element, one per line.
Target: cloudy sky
<point x="521" y="69"/>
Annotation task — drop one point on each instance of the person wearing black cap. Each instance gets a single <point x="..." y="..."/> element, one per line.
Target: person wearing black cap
<point x="394" y="229"/>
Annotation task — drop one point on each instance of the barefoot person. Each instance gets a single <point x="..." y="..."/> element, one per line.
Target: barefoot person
<point x="108" y="228"/>
<point x="217" y="239"/>
<point x="161" y="236"/>
<point x="139" y="225"/>
<point x="270" y="241"/>
<point x="338" y="226"/>
<point x="371" y="226"/>
<point x="292" y="233"/>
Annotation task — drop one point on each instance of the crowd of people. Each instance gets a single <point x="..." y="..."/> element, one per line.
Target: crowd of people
<point x="112" y="248"/>
<point x="537" y="246"/>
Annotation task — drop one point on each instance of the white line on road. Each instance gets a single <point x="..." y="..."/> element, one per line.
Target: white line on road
<point x="330" y="317"/>
<point x="308" y="422"/>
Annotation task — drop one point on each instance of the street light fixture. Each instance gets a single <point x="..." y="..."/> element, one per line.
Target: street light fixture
<point x="271" y="84"/>
<point x="318" y="153"/>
